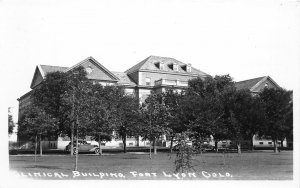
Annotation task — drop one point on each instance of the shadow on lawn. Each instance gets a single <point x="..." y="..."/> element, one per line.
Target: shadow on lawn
<point x="45" y="167"/>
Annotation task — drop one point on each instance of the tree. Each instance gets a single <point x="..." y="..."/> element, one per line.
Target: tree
<point x="100" y="114"/>
<point x="125" y="116"/>
<point x="11" y="123"/>
<point x="245" y="114"/>
<point x="204" y="106"/>
<point x="154" y="115"/>
<point x="183" y="161"/>
<point x="49" y="97"/>
<point x="278" y="113"/>
<point x="236" y="105"/>
<point x="77" y="97"/>
<point x="174" y="102"/>
<point x="36" y="122"/>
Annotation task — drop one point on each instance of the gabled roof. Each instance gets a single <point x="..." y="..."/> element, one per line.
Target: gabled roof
<point x="247" y="84"/>
<point x="124" y="79"/>
<point x="42" y="70"/>
<point x="149" y="64"/>
<point x="91" y="59"/>
<point x="252" y="84"/>
<point x="45" y="69"/>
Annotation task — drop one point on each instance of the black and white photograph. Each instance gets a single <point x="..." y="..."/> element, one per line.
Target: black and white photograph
<point x="149" y="92"/>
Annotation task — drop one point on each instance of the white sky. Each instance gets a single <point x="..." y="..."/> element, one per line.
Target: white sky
<point x="245" y="39"/>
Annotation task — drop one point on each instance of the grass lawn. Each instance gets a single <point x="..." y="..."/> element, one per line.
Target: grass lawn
<point x="259" y="165"/>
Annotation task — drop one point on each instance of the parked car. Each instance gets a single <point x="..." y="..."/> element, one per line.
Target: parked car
<point x="83" y="147"/>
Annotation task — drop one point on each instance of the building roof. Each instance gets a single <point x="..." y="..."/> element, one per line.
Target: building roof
<point x="124" y="79"/>
<point x="91" y="59"/>
<point x="47" y="68"/>
<point x="253" y="84"/>
<point x="149" y="64"/>
<point x="247" y="84"/>
<point x="121" y="77"/>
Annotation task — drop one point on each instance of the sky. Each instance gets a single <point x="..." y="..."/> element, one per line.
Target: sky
<point x="246" y="39"/>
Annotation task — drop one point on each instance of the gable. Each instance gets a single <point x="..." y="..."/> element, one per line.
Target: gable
<point x="257" y="84"/>
<point x="37" y="78"/>
<point x="95" y="71"/>
<point x="266" y="82"/>
<point x="247" y="84"/>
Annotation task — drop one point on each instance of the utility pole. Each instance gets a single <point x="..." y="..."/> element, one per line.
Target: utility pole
<point x="72" y="128"/>
<point x="35" y="148"/>
<point x="77" y="149"/>
<point x="41" y="145"/>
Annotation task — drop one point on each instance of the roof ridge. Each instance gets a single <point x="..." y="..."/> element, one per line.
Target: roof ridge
<point x="252" y="79"/>
<point x="53" y="66"/>
<point x="97" y="63"/>
<point x="137" y="66"/>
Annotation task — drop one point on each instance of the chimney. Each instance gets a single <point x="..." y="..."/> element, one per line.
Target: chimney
<point x="189" y="68"/>
<point x="161" y="65"/>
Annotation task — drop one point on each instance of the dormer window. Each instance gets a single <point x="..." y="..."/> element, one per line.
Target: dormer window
<point x="160" y="65"/>
<point x="173" y="66"/>
<point x="187" y="68"/>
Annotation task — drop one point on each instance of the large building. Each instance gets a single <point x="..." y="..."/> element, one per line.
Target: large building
<point x="152" y="74"/>
<point x="255" y="86"/>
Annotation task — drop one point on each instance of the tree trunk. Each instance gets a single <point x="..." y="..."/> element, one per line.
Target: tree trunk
<point x="251" y="143"/>
<point x="171" y="145"/>
<point x="216" y="146"/>
<point x="154" y="146"/>
<point x="41" y="146"/>
<point x="150" y="150"/>
<point x="239" y="148"/>
<point x="275" y="146"/>
<point x="72" y="127"/>
<point x="281" y="144"/>
<point x="100" y="150"/>
<point x="77" y="149"/>
<point x="124" y="143"/>
<point x="35" y="148"/>
<point x="72" y="139"/>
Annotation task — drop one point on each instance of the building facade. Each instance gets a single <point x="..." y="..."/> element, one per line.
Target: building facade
<point x="153" y="74"/>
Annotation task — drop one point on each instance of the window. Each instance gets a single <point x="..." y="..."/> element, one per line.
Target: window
<point x="269" y="142"/>
<point x="261" y="143"/>
<point x="266" y="85"/>
<point x="148" y="81"/>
